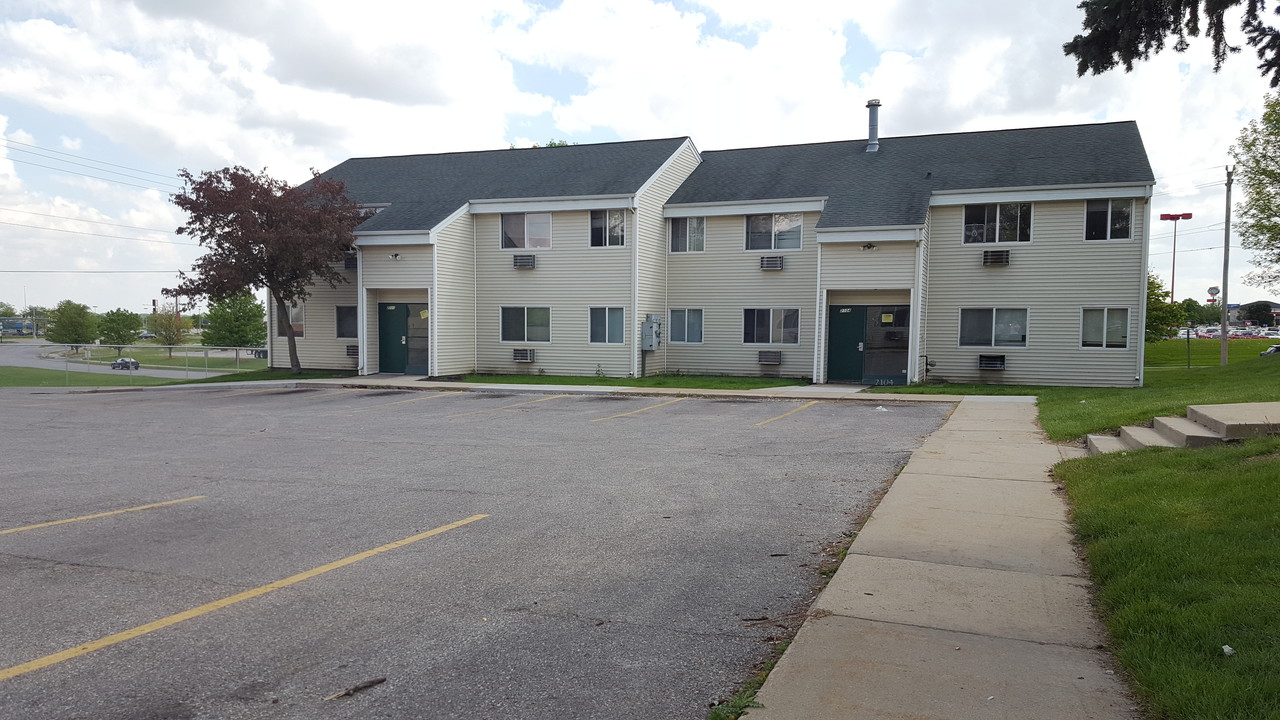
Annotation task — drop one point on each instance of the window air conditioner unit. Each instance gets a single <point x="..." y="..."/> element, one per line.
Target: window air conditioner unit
<point x="522" y="355"/>
<point x="990" y="362"/>
<point x="769" y="357"/>
<point x="526" y="262"/>
<point x="771" y="262"/>
<point x="995" y="257"/>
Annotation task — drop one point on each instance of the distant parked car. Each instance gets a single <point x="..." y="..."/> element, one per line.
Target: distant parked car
<point x="147" y="335"/>
<point x="125" y="363"/>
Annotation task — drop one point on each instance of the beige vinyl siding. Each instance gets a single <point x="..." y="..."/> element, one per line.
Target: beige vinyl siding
<point x="652" y="248"/>
<point x="724" y="280"/>
<point x="412" y="270"/>
<point x="570" y="277"/>
<point x="1055" y="276"/>
<point x="455" y="299"/>
<point x="319" y="348"/>
<point x="846" y="266"/>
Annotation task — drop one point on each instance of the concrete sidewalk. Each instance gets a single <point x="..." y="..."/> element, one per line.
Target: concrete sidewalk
<point x="961" y="598"/>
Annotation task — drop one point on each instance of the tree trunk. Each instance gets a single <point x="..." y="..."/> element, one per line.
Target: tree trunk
<point x="282" y="313"/>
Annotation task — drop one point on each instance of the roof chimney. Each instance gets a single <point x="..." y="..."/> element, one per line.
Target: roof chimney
<point x="873" y="126"/>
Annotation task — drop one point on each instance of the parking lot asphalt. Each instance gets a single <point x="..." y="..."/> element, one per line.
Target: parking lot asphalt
<point x="620" y="556"/>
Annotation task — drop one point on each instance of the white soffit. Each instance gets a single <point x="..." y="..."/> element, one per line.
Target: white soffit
<point x="392" y="237"/>
<point x="1041" y="194"/>
<point x="907" y="233"/>
<point x="745" y="207"/>
<point x="525" y="205"/>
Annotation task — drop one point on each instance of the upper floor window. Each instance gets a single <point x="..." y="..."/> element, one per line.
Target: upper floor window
<point x="1108" y="219"/>
<point x="688" y="234"/>
<point x="779" y="231"/>
<point x="997" y="222"/>
<point x="526" y="230"/>
<point x="608" y="228"/>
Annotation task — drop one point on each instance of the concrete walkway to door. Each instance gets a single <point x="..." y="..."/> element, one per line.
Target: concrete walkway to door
<point x="962" y="598"/>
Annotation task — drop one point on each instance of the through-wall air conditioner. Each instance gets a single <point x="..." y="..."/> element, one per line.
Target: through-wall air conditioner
<point x="771" y="262"/>
<point x="522" y="355"/>
<point x="995" y="257"/>
<point x="990" y="362"/>
<point x="769" y="357"/>
<point x="524" y="262"/>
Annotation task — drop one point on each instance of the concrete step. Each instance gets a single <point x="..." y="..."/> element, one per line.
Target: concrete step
<point x="1100" y="444"/>
<point x="1138" y="437"/>
<point x="1238" y="420"/>
<point x="1186" y="433"/>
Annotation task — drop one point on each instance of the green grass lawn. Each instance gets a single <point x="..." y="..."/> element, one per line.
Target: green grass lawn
<point x="1067" y="413"/>
<point x="1184" y="546"/>
<point x="1204" y="352"/>
<point x="704" y="382"/>
<point x="40" y="377"/>
<point x="191" y="356"/>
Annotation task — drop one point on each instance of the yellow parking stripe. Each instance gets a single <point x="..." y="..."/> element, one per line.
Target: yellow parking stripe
<point x="101" y="514"/>
<point x="397" y="402"/>
<point x="789" y="412"/>
<point x="176" y="618"/>
<point x="633" y="412"/>
<point x="504" y="407"/>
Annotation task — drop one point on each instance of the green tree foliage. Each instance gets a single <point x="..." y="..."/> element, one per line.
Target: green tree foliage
<point x="236" y="322"/>
<point x="1163" y="317"/>
<point x="1120" y="32"/>
<point x="1258" y="313"/>
<point x="72" y="324"/>
<point x="1198" y="314"/>
<point x="1257" y="156"/>
<point x="120" y="327"/>
<point x="259" y="232"/>
<point x="7" y="310"/>
<point x="169" y="326"/>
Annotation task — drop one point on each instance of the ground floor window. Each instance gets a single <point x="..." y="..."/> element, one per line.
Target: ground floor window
<point x="345" y="317"/>
<point x="993" y="327"/>
<point x="1104" y="328"/>
<point x="686" y="325"/>
<point x="606" y="325"/>
<point x="294" y="315"/>
<point x="526" y="324"/>
<point x="771" y="325"/>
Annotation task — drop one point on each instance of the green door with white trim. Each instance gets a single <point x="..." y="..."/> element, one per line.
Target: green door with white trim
<point x="404" y="338"/>
<point x="846" y="339"/>
<point x="868" y="344"/>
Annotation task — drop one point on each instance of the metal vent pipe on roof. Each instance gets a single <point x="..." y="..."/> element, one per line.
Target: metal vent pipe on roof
<point x="873" y="126"/>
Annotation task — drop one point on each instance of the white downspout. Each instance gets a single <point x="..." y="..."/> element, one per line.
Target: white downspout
<point x="363" y="313"/>
<point x="433" y="299"/>
<point x="635" y="288"/>
<point x="819" y="323"/>
<point x="917" y="314"/>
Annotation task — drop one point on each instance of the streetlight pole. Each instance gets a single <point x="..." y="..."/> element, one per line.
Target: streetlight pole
<point x="1173" y="271"/>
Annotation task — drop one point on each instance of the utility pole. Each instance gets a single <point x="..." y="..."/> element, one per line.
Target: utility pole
<point x="1226" y="265"/>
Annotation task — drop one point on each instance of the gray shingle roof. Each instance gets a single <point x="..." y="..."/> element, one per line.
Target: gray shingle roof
<point x="893" y="186"/>
<point x="424" y="189"/>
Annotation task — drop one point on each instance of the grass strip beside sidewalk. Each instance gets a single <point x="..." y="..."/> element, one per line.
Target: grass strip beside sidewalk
<point x="1184" y="548"/>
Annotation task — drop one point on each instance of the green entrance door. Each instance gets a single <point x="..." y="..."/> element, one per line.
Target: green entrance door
<point x="846" y="341"/>
<point x="404" y="338"/>
<point x="868" y="344"/>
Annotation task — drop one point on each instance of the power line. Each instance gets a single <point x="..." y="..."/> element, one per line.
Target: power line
<point x="96" y="222"/>
<point x="1170" y="252"/>
<point x="91" y="167"/>
<point x="95" y="272"/>
<point x="82" y="157"/>
<point x="116" y="237"/>
<point x="95" y="177"/>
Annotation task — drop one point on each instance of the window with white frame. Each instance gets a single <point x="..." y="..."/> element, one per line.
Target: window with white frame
<point x="993" y="327"/>
<point x="771" y="326"/>
<point x="685" y="326"/>
<point x="779" y="231"/>
<point x="1108" y="219"/>
<point x="997" y="223"/>
<point x="296" y="316"/>
<point x="526" y="230"/>
<point x="345" y="319"/>
<point x="1104" y="328"/>
<point x="608" y="228"/>
<point x="688" y="234"/>
<point x="607" y="325"/>
<point x="526" y="324"/>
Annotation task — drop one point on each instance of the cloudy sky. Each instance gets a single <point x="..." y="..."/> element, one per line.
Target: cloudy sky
<point x="102" y="101"/>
